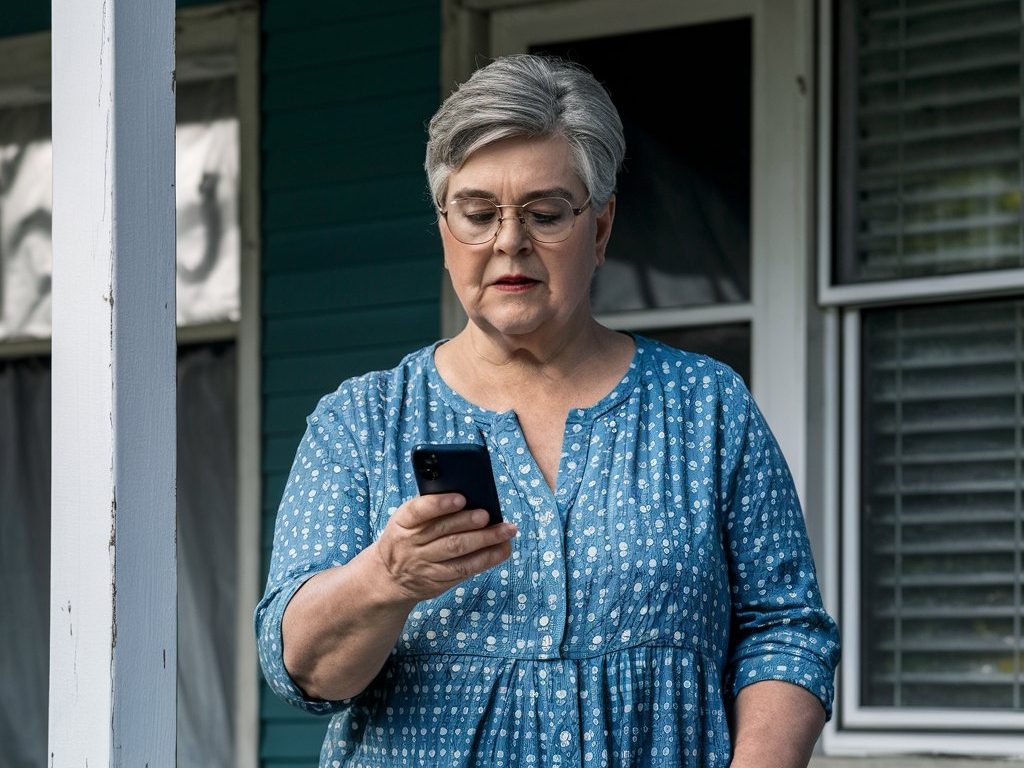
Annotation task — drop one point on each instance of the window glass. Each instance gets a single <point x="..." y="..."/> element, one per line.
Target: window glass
<point x="682" y="224"/>
<point x="207" y="591"/>
<point x="206" y="188"/>
<point x="943" y="506"/>
<point x="929" y="169"/>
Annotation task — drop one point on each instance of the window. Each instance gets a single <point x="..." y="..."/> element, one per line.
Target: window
<point x="217" y="469"/>
<point x="719" y="263"/>
<point x="207" y="170"/>
<point x="926" y="275"/>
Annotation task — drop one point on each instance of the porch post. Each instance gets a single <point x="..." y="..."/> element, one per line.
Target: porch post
<point x="113" y="575"/>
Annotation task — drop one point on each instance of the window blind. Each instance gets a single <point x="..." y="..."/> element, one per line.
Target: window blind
<point x="930" y="169"/>
<point x="943" y="506"/>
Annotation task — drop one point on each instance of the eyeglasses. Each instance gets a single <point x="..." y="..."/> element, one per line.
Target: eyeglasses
<point x="475" y="220"/>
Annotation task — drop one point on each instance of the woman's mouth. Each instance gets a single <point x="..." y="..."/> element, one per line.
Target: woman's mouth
<point x="513" y="283"/>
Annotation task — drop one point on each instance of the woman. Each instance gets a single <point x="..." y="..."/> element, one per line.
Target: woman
<point x="650" y="598"/>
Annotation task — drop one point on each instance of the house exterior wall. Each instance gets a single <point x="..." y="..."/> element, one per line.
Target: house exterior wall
<point x="351" y="264"/>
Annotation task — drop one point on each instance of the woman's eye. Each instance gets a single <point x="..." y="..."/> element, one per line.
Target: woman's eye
<point x="480" y="216"/>
<point x="477" y="212"/>
<point x="545" y="218"/>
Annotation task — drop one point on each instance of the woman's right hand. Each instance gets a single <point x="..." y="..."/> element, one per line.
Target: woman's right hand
<point x="432" y="543"/>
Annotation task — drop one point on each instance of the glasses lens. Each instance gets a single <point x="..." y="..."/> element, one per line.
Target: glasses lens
<point x="475" y="220"/>
<point x="549" y="220"/>
<point x="472" y="220"/>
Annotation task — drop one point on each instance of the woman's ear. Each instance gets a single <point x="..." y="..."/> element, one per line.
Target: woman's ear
<point x="604" y="229"/>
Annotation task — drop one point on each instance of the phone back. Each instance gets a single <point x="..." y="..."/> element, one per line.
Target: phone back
<point x="460" y="468"/>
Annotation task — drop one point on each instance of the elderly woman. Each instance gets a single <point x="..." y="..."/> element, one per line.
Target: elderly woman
<point x="650" y="598"/>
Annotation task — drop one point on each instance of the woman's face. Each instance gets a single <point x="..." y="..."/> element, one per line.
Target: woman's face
<point x="511" y="284"/>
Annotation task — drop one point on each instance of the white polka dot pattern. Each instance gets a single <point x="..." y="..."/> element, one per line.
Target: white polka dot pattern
<point x="669" y="569"/>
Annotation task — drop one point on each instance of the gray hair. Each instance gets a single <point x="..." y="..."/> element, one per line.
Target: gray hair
<point x="527" y="95"/>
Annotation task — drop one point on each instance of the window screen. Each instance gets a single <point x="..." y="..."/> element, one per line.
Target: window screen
<point x="942" y="522"/>
<point x="929" y="170"/>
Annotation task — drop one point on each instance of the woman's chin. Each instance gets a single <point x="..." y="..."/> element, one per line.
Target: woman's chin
<point x="515" y="327"/>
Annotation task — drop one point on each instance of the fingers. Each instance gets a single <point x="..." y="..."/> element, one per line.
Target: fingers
<point x="431" y="543"/>
<point x="458" y="569"/>
<point x="460" y="545"/>
<point x="438" y="515"/>
<point x="424" y="509"/>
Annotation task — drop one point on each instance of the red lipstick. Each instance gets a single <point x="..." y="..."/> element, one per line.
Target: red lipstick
<point x="514" y="283"/>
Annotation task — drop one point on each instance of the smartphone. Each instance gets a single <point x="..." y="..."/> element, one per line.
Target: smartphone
<point x="458" y="468"/>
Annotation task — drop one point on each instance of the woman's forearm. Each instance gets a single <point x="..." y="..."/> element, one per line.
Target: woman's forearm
<point x="340" y="627"/>
<point x="776" y="725"/>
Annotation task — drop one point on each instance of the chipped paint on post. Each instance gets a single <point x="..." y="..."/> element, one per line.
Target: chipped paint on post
<point x="113" y="577"/>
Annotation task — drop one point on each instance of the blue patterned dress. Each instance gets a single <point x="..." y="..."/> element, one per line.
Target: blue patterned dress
<point x="669" y="568"/>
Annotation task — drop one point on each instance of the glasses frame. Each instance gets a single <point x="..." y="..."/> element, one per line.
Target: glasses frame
<point x="522" y="219"/>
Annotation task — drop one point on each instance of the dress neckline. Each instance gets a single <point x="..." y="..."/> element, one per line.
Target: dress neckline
<point x="625" y="386"/>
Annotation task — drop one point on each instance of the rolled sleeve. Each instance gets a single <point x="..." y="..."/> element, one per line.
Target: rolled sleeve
<point x="780" y="629"/>
<point x="322" y="522"/>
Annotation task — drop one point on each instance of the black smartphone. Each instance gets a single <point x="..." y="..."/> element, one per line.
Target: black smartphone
<point x="458" y="468"/>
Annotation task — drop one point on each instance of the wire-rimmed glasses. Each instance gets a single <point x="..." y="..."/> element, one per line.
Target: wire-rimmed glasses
<point x="476" y="220"/>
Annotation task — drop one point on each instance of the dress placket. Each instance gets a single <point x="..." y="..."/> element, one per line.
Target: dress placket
<point x="556" y="681"/>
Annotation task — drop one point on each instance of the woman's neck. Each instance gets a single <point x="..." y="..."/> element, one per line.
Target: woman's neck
<point x="500" y="372"/>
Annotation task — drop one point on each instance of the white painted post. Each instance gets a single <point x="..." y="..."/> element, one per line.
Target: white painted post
<point x="113" y="590"/>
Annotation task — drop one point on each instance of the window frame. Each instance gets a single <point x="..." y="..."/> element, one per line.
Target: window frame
<point x="857" y="729"/>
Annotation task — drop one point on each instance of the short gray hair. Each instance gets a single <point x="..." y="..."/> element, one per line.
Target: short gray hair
<point x="535" y="96"/>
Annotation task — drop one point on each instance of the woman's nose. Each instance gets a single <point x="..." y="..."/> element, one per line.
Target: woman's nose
<point x="511" y="236"/>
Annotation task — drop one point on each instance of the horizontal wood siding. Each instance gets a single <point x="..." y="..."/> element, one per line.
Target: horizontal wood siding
<point x="351" y="263"/>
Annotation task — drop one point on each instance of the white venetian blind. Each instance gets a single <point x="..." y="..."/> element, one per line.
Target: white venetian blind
<point x="942" y="556"/>
<point x="931" y="137"/>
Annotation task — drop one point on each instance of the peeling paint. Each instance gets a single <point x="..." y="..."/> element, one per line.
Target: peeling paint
<point x="113" y="570"/>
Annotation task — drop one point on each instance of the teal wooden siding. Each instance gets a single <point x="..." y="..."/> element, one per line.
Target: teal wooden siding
<point x="351" y="264"/>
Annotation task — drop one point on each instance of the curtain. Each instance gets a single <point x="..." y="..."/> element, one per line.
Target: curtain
<point x="206" y="557"/>
<point x="206" y="201"/>
<point x="24" y="560"/>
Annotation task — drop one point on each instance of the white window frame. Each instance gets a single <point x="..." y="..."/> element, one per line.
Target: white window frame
<point x="205" y="34"/>
<point x="857" y="729"/>
<point x="780" y="309"/>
